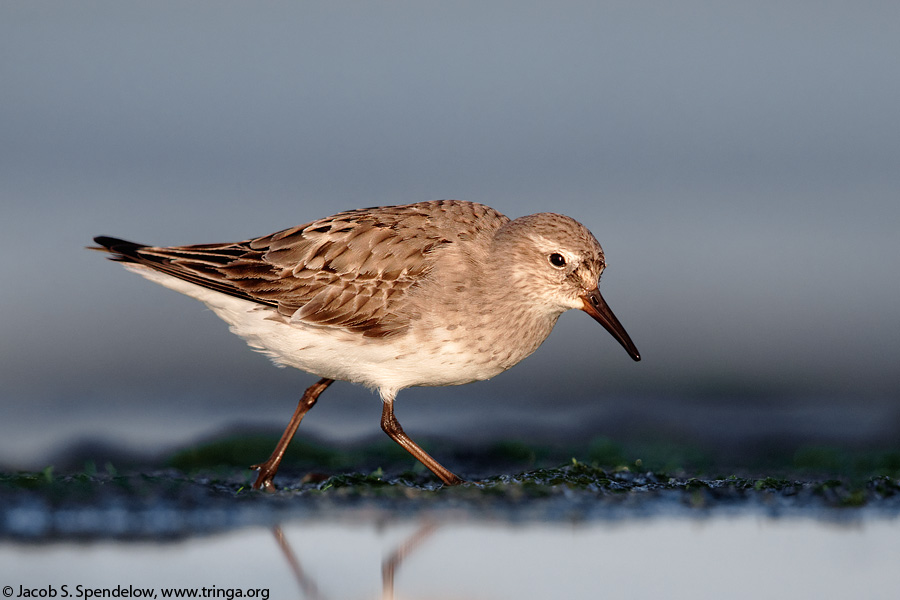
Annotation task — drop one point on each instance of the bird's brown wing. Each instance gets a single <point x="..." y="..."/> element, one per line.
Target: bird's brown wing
<point x="351" y="270"/>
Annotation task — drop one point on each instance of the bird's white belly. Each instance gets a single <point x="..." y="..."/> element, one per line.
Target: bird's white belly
<point x="377" y="363"/>
<point x="393" y="363"/>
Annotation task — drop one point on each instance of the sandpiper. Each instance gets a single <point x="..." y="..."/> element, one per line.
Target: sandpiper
<point x="428" y="294"/>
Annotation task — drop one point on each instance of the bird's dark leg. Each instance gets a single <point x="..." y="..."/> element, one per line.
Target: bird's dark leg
<point x="268" y="469"/>
<point x="392" y="427"/>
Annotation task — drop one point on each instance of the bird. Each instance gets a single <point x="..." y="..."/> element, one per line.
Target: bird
<point x="436" y="293"/>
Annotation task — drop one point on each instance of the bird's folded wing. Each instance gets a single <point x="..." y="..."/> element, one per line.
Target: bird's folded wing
<point x="351" y="271"/>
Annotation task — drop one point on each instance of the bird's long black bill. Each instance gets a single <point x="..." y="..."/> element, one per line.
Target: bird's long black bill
<point x="596" y="306"/>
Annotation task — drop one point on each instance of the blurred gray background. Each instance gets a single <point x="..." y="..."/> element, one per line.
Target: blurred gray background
<point x="739" y="162"/>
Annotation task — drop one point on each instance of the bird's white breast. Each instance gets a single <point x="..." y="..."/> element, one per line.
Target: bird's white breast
<point x="393" y="363"/>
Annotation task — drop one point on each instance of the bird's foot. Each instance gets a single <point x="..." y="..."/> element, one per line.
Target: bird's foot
<point x="450" y="478"/>
<point x="265" y="477"/>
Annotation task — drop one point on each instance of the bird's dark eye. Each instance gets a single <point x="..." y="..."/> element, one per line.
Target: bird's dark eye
<point x="557" y="260"/>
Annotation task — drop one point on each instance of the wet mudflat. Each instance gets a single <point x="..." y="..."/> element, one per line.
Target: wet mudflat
<point x="200" y="499"/>
<point x="606" y="526"/>
<point x="168" y="504"/>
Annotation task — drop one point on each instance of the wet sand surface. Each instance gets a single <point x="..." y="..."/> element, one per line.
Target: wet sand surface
<point x="167" y="504"/>
<point x="530" y="524"/>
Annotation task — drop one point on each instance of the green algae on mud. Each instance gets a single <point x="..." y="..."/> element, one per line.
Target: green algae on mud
<point x="575" y="477"/>
<point x="207" y="487"/>
<point x="814" y="462"/>
<point x="165" y="504"/>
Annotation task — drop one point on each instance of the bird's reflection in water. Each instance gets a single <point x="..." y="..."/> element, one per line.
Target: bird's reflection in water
<point x="307" y="585"/>
<point x="393" y="561"/>
<point x="389" y="566"/>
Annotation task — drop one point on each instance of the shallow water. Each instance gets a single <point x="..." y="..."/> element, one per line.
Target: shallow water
<point x="747" y="555"/>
